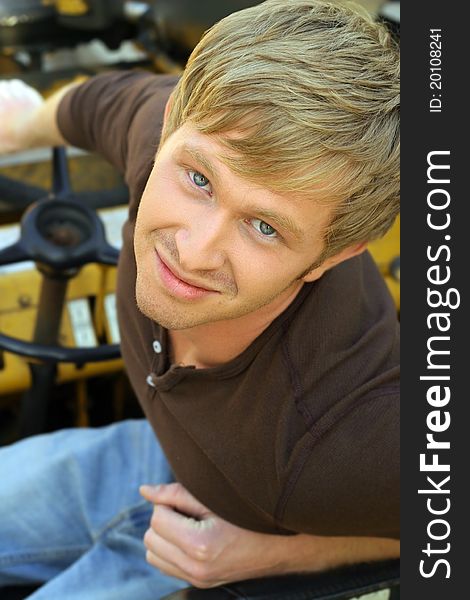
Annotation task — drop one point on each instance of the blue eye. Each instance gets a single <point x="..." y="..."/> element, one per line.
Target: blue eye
<point x="199" y="179"/>
<point x="264" y="228"/>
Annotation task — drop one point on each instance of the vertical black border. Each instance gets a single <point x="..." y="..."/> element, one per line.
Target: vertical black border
<point x="423" y="132"/>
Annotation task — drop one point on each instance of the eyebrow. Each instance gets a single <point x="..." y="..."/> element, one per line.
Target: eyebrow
<point x="201" y="159"/>
<point x="283" y="221"/>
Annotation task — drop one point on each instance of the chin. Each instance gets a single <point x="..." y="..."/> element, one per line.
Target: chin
<point x="165" y="312"/>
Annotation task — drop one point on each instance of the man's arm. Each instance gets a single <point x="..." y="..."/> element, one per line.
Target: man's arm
<point x="26" y="120"/>
<point x="207" y="551"/>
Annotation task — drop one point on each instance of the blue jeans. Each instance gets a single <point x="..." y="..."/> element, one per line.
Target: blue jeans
<point x="71" y="514"/>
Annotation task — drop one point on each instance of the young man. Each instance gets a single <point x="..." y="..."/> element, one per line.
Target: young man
<point x="256" y="331"/>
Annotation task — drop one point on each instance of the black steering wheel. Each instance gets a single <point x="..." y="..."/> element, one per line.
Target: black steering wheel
<point x="61" y="235"/>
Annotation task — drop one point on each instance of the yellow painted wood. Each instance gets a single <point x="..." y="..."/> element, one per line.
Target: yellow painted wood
<point x="19" y="294"/>
<point x="384" y="252"/>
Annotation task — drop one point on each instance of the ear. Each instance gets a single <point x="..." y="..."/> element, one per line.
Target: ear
<point x="348" y="252"/>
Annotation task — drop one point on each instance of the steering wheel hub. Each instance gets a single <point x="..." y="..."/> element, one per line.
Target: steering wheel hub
<point x="64" y="225"/>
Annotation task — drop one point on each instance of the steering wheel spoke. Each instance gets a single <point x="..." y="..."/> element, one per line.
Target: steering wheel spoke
<point x="107" y="254"/>
<point x="13" y="254"/>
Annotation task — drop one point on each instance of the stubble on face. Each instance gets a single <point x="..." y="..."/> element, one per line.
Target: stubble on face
<point x="171" y="313"/>
<point x="158" y="304"/>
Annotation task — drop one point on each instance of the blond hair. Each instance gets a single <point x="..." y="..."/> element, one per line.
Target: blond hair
<point x="311" y="89"/>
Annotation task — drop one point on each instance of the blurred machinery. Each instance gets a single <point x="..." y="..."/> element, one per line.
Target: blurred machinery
<point x="166" y="30"/>
<point x="57" y="302"/>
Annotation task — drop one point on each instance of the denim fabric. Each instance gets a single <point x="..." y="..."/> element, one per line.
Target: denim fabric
<point x="71" y="514"/>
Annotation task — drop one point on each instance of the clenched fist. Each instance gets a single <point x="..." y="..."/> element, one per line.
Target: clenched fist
<point x="188" y="541"/>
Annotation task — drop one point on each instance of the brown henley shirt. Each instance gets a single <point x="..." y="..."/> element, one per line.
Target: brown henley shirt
<point x="300" y="432"/>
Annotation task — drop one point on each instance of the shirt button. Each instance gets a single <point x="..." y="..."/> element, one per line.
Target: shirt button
<point x="150" y="380"/>
<point x="157" y="347"/>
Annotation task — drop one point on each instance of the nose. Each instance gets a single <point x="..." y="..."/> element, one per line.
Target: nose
<point x="201" y="245"/>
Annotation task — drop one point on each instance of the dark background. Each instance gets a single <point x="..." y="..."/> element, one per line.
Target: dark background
<point x="423" y="132"/>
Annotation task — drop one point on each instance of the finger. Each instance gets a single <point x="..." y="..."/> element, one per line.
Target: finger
<point x="165" y="567"/>
<point x="176" y="495"/>
<point x="190" y="535"/>
<point x="173" y="561"/>
<point x="167" y="552"/>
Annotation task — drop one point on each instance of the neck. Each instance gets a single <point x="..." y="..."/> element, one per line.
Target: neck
<point x="227" y="338"/>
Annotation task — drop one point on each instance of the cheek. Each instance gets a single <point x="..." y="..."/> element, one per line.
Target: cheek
<point x="159" y="204"/>
<point x="258" y="272"/>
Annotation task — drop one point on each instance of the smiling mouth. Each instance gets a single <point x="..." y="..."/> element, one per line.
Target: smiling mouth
<point x="178" y="285"/>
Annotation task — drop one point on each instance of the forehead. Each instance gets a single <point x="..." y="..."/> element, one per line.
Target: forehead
<point x="301" y="214"/>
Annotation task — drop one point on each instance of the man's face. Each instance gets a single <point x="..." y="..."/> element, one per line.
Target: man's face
<point x="212" y="246"/>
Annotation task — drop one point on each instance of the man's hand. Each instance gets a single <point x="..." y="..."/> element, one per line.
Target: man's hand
<point x="18" y="105"/>
<point x="200" y="547"/>
<point x="26" y="120"/>
<point x="188" y="541"/>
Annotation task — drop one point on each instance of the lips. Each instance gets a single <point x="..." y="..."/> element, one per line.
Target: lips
<point x="178" y="285"/>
